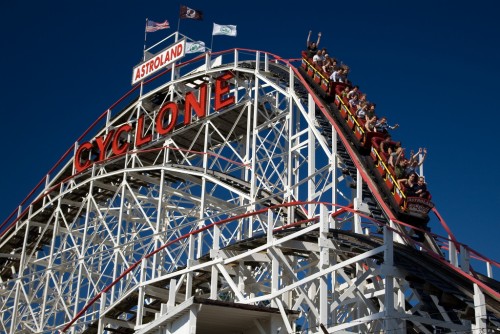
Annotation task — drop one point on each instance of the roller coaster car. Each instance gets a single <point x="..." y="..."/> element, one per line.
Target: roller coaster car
<point x="412" y="210"/>
<point x="316" y="77"/>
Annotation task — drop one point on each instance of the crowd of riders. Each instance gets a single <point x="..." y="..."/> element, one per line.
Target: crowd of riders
<point x="405" y="167"/>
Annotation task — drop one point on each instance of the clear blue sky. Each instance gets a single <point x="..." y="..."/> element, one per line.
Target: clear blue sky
<point x="431" y="66"/>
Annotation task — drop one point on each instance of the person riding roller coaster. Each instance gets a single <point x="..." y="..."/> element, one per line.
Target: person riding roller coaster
<point x="359" y="122"/>
<point x="312" y="47"/>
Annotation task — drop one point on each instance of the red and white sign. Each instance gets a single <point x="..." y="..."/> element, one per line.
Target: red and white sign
<point x="157" y="62"/>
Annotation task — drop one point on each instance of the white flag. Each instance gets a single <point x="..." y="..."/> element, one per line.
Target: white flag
<point x="193" y="47"/>
<point x="227" y="30"/>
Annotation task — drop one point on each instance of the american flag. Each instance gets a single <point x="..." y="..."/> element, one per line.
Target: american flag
<point x="154" y="26"/>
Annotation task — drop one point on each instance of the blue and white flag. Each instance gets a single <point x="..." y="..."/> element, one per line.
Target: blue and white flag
<point x="193" y="47"/>
<point x="228" y="30"/>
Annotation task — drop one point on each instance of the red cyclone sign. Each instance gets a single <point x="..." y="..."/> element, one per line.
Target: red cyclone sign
<point x="136" y="134"/>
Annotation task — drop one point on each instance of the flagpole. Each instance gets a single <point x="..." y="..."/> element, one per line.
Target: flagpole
<point x="212" y="42"/>
<point x="179" y="18"/>
<point x="144" y="53"/>
<point x="145" y="36"/>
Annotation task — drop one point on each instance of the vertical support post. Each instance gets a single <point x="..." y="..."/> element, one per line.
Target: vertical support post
<point x="389" y="309"/>
<point x="333" y="168"/>
<point x="257" y="62"/>
<point x="52" y="251"/>
<point x="296" y="125"/>
<point x="101" y="324"/>
<point x="172" y="291"/>
<point x="479" y="310"/>
<point x="83" y="244"/>
<point x="255" y="133"/>
<point x="324" y="260"/>
<point x="214" y="253"/>
<point x="291" y="129"/>
<point x="14" y="321"/>
<point x="108" y="117"/>
<point x="116" y="254"/>
<point x="73" y="170"/>
<point x="193" y="315"/>
<point x="389" y="247"/>
<point x="174" y="67"/>
<point x="236" y="58"/>
<point x="208" y="60"/>
<point x="240" y="271"/>
<point x="47" y="182"/>
<point x="402" y="309"/>
<point x="489" y="270"/>
<point x="249" y="151"/>
<point x="291" y="79"/>
<point x="357" y="202"/>
<point x="335" y="293"/>
<point x="270" y="226"/>
<point x="275" y="276"/>
<point x="141" y="292"/>
<point x="311" y="154"/>
<point x="453" y="257"/>
<point x="395" y="236"/>
<point x="189" y="275"/>
<point x="159" y="225"/>
<point x="19" y="283"/>
<point x="203" y="190"/>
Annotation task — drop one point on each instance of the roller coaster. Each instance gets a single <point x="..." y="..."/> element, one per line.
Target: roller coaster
<point x="367" y="143"/>
<point x="231" y="192"/>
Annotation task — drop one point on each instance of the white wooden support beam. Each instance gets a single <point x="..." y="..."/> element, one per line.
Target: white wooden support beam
<point x="479" y="310"/>
<point x="141" y="293"/>
<point x="452" y="253"/>
<point x="172" y="291"/>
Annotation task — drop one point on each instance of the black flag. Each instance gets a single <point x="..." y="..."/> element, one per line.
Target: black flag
<point x="190" y="13"/>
